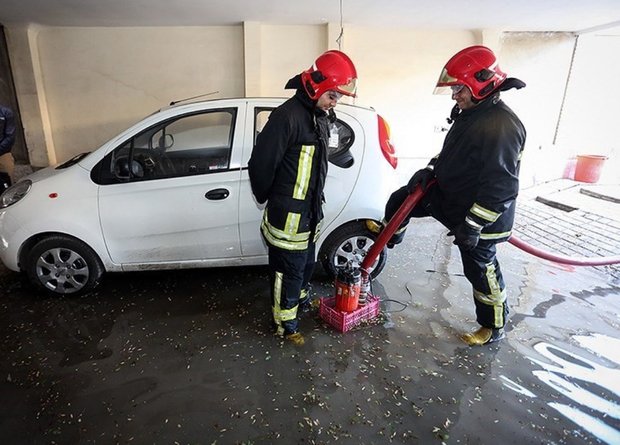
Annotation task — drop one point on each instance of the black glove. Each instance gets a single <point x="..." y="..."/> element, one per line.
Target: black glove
<point x="465" y="236"/>
<point x="422" y="177"/>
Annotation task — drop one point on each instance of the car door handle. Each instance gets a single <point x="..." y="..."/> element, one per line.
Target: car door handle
<point x="217" y="194"/>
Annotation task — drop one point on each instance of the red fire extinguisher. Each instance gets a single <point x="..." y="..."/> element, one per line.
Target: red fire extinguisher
<point x="347" y="292"/>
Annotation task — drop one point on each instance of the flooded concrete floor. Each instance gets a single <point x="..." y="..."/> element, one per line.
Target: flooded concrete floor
<point x="188" y="357"/>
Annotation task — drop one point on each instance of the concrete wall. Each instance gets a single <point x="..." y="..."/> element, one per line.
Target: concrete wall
<point x="542" y="61"/>
<point x="560" y="126"/>
<point x="589" y="121"/>
<point x="78" y="87"/>
<point x="97" y="81"/>
<point x="287" y="50"/>
<point x="398" y="70"/>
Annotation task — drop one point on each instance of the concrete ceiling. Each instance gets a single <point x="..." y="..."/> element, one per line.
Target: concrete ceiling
<point x="501" y="15"/>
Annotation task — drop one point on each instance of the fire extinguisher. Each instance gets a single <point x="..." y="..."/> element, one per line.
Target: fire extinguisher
<point x="348" y="281"/>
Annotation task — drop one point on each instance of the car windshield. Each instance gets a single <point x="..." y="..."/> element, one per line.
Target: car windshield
<point x="74" y="160"/>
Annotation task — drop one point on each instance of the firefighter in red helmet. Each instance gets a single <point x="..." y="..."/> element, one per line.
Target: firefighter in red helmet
<point x="477" y="180"/>
<point x="333" y="70"/>
<point x="287" y="169"/>
<point x="476" y="67"/>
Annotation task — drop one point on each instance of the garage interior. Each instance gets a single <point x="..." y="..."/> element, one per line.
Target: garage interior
<point x="82" y="72"/>
<point x="187" y="357"/>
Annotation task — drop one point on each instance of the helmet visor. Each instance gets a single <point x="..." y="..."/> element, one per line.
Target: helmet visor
<point x="444" y="91"/>
<point x="444" y="83"/>
<point x="452" y="89"/>
<point x="349" y="88"/>
<point x="446" y="79"/>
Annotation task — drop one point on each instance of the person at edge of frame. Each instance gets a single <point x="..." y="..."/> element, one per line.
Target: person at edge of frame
<point x="7" y="139"/>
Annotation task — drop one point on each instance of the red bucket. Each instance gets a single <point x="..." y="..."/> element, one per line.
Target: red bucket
<point x="588" y="168"/>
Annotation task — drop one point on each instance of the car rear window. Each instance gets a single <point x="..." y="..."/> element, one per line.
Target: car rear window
<point x="346" y="136"/>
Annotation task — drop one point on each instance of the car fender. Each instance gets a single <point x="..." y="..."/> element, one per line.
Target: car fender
<point x="59" y="197"/>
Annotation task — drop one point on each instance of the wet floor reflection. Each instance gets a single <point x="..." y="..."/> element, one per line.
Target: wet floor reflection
<point x="591" y="386"/>
<point x="189" y="357"/>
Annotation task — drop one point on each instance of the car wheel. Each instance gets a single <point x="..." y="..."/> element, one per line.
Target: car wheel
<point x="349" y="244"/>
<point x="61" y="265"/>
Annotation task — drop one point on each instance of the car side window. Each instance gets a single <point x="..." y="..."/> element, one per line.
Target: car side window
<point x="193" y="144"/>
<point x="261" y="116"/>
<point x="345" y="133"/>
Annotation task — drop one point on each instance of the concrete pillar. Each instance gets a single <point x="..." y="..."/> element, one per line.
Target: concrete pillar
<point x="252" y="58"/>
<point x="333" y="32"/>
<point x="28" y="77"/>
<point x="492" y="38"/>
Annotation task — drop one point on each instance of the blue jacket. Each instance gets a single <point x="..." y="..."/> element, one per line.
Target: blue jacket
<point x="7" y="130"/>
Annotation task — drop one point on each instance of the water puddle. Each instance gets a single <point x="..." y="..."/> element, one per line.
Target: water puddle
<point x="592" y="388"/>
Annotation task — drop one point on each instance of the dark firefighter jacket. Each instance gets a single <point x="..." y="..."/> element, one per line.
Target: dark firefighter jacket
<point x="287" y="169"/>
<point x="478" y="167"/>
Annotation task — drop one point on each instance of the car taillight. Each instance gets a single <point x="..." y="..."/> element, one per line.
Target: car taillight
<point x="384" y="141"/>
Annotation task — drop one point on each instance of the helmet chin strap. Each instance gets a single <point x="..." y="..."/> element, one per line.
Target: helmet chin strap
<point x="453" y="114"/>
<point x="331" y="115"/>
<point x="493" y="95"/>
<point x="506" y="85"/>
<point x="456" y="110"/>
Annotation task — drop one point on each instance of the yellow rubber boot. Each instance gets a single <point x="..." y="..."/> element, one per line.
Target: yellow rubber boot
<point x="482" y="336"/>
<point x="374" y="226"/>
<point x="297" y="339"/>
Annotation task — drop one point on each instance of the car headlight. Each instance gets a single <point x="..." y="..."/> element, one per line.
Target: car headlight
<point x="15" y="193"/>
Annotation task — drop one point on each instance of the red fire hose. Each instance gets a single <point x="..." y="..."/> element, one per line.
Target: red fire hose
<point x="391" y="227"/>
<point x="411" y="202"/>
<point x="578" y="261"/>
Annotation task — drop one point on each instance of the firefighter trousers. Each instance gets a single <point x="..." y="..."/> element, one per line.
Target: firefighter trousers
<point x="480" y="264"/>
<point x="289" y="275"/>
<point x="482" y="269"/>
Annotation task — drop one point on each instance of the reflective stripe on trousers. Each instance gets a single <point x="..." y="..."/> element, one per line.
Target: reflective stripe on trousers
<point x="479" y="265"/>
<point x="482" y="269"/>
<point x="290" y="273"/>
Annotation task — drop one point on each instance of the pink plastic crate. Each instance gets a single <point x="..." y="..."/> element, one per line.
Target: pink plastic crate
<point x="344" y="321"/>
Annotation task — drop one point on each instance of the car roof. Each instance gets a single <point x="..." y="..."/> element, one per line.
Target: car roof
<point x="191" y="101"/>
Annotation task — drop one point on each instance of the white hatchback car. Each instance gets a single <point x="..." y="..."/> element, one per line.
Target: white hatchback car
<point x="173" y="192"/>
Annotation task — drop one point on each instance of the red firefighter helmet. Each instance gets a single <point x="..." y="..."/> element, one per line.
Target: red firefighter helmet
<point x="476" y="67"/>
<point x="332" y="70"/>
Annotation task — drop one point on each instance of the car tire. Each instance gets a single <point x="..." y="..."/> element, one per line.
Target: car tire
<point x="61" y="265"/>
<point x="350" y="243"/>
